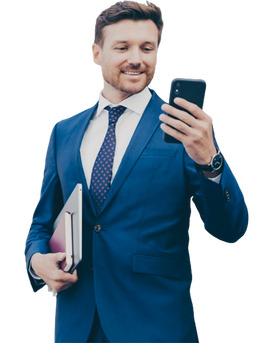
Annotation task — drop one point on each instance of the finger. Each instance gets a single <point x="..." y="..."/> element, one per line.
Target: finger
<point x="61" y="280"/>
<point x="73" y="276"/>
<point x="174" y="133"/>
<point x="192" y="108"/>
<point x="177" y="124"/>
<point x="179" y="114"/>
<point x="59" y="257"/>
<point x="58" y="287"/>
<point x="62" y="276"/>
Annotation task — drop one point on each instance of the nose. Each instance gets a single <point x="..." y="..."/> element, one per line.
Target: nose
<point x="135" y="56"/>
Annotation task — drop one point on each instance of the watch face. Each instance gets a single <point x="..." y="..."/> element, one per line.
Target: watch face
<point x="217" y="162"/>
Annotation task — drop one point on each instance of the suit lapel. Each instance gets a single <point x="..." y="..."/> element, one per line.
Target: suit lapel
<point x="143" y="133"/>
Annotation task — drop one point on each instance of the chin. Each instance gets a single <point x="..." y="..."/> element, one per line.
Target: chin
<point x="133" y="88"/>
<point x="128" y="87"/>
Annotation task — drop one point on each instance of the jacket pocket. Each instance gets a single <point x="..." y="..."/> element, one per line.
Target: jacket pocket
<point x="161" y="267"/>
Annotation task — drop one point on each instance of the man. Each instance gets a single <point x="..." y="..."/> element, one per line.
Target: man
<point x="133" y="284"/>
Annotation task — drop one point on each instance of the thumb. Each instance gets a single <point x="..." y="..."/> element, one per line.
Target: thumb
<point x="59" y="257"/>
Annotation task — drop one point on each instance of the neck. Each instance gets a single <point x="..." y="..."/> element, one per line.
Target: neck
<point x="114" y="95"/>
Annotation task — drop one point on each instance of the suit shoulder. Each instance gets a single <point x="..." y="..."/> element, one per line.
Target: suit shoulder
<point x="77" y="117"/>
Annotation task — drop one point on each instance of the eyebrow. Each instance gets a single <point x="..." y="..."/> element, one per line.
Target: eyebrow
<point x="126" y="42"/>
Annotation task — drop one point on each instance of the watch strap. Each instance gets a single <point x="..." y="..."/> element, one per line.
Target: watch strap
<point x="212" y="166"/>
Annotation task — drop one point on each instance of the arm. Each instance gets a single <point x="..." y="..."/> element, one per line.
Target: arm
<point x="221" y="206"/>
<point x="46" y="211"/>
<point x="37" y="251"/>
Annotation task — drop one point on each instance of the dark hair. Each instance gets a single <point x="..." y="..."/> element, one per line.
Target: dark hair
<point x="127" y="10"/>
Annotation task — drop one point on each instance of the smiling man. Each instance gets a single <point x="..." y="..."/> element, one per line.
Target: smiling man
<point x="128" y="51"/>
<point x="133" y="284"/>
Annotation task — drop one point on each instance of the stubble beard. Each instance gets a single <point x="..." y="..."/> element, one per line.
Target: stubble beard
<point x="129" y="88"/>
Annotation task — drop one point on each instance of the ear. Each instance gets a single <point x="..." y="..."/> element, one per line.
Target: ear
<point x="94" y="53"/>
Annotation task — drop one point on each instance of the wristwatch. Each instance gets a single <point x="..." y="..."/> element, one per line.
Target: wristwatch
<point x="216" y="163"/>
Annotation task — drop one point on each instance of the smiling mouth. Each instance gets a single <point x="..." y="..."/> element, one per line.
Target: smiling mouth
<point x="133" y="73"/>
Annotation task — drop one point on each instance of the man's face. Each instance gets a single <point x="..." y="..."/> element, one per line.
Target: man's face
<point x="128" y="57"/>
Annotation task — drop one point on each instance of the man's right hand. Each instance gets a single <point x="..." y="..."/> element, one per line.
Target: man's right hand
<point x="47" y="267"/>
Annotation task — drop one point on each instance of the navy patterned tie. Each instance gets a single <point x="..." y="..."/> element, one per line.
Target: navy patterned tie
<point x="102" y="170"/>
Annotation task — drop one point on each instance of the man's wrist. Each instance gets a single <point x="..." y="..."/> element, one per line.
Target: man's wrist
<point x="31" y="269"/>
<point x="33" y="257"/>
<point x="214" y="168"/>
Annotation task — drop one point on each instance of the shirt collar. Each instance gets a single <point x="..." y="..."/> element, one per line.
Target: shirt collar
<point x="136" y="103"/>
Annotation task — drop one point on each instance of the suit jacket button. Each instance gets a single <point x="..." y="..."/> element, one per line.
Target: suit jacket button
<point x="226" y="194"/>
<point x="97" y="228"/>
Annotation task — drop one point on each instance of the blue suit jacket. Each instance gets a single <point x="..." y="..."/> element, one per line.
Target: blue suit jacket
<point x="137" y="269"/>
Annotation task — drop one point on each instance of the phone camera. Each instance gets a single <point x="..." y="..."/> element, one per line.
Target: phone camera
<point x="177" y="88"/>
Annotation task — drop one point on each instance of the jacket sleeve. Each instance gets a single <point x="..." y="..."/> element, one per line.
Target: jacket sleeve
<point x="49" y="206"/>
<point x="221" y="206"/>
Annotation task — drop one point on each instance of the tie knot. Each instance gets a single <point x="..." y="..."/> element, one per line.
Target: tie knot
<point x="115" y="113"/>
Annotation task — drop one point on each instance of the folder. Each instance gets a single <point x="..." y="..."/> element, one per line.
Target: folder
<point x="62" y="241"/>
<point x="67" y="235"/>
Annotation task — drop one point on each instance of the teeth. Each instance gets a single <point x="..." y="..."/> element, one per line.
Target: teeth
<point x="131" y="73"/>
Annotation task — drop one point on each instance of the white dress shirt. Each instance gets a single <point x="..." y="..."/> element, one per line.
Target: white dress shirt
<point x="125" y="127"/>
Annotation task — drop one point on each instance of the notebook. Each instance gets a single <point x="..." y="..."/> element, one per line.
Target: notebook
<point x="67" y="236"/>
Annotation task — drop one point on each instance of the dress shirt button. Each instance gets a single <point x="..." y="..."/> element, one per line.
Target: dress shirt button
<point x="97" y="228"/>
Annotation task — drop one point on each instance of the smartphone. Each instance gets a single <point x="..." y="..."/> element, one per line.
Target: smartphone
<point x="190" y="90"/>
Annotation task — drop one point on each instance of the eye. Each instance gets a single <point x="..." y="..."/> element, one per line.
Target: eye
<point x="121" y="48"/>
<point x="147" y="49"/>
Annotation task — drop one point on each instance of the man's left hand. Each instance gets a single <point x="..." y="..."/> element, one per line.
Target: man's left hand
<point x="193" y="131"/>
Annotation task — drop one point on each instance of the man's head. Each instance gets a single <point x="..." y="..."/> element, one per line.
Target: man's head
<point x="127" y="37"/>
